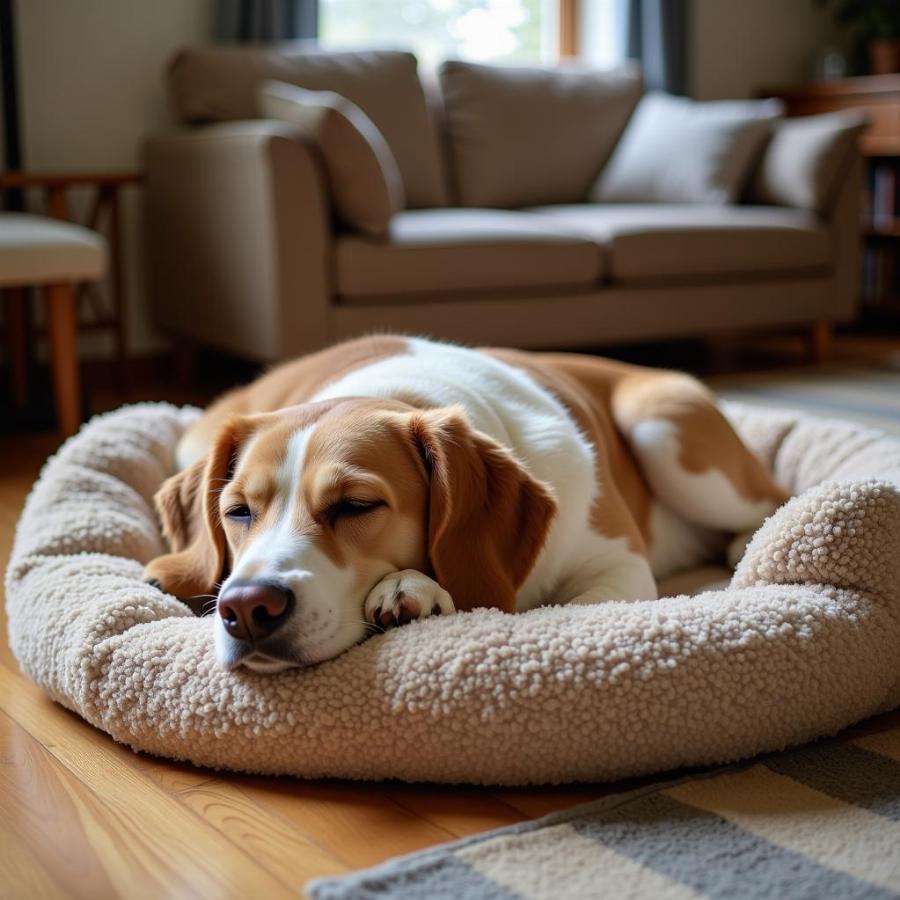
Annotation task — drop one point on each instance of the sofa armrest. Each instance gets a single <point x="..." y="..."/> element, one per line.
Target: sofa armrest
<point x="239" y="238"/>
<point x="814" y="163"/>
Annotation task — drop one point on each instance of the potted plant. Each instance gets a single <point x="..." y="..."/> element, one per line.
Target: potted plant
<point x="874" y="24"/>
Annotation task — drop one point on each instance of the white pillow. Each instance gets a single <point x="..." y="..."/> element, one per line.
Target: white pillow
<point x="365" y="183"/>
<point x="676" y="150"/>
<point x="804" y="160"/>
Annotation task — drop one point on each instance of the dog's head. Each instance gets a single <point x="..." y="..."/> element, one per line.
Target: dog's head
<point x="295" y="515"/>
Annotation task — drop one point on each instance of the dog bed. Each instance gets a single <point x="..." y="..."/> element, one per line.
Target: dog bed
<point x="804" y="641"/>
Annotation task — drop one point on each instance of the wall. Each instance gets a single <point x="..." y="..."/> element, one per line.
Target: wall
<point x="739" y="46"/>
<point x="91" y="87"/>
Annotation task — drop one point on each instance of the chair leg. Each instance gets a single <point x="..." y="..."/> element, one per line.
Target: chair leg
<point x="62" y="328"/>
<point x="821" y="342"/>
<point x="15" y="319"/>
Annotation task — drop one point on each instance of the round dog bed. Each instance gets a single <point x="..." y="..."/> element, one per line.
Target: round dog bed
<point x="803" y="642"/>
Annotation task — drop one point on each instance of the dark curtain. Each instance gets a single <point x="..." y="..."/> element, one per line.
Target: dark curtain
<point x="9" y="102"/>
<point x="656" y="35"/>
<point x="266" y="20"/>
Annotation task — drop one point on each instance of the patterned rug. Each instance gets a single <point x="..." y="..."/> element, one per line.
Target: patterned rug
<point x="815" y="823"/>
<point x="819" y="822"/>
<point x="868" y="394"/>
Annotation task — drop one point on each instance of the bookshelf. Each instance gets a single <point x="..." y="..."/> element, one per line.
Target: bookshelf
<point x="878" y="97"/>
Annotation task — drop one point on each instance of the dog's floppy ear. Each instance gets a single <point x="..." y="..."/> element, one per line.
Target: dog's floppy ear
<point x="488" y="517"/>
<point x="188" y="508"/>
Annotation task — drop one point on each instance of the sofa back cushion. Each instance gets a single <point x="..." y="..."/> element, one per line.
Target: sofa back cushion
<point x="529" y="136"/>
<point x="803" y="160"/>
<point x="213" y="84"/>
<point x="676" y="150"/>
<point x="364" y="181"/>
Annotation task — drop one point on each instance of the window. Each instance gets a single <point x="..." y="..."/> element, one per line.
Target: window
<point x="435" y="30"/>
<point x="600" y="33"/>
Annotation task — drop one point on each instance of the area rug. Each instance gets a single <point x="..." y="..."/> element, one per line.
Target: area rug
<point x="820" y="822"/>
<point x="866" y="393"/>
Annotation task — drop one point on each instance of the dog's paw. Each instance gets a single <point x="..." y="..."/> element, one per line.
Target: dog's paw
<point x="403" y="596"/>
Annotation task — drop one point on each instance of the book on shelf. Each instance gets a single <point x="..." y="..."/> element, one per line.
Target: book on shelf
<point x="881" y="267"/>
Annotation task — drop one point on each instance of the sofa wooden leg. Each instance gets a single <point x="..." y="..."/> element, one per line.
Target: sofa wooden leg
<point x="821" y="342"/>
<point x="15" y="318"/>
<point x="62" y="329"/>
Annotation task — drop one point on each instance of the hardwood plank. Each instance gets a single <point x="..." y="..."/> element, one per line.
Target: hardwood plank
<point x="356" y="824"/>
<point x="461" y="811"/>
<point x="39" y="806"/>
<point x="268" y="838"/>
<point x="542" y="801"/>
<point x="171" y="776"/>
<point x="536" y="802"/>
<point x="25" y="877"/>
<point x="152" y="845"/>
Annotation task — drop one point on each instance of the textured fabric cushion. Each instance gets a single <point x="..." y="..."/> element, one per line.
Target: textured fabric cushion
<point x="684" y="240"/>
<point x="365" y="184"/>
<point x="441" y="251"/>
<point x="803" y="160"/>
<point x="675" y="150"/>
<point x="40" y="250"/>
<point x="524" y="136"/>
<point x="211" y="84"/>
<point x="802" y="643"/>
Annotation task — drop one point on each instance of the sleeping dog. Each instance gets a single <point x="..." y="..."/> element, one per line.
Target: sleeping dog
<point x="389" y="479"/>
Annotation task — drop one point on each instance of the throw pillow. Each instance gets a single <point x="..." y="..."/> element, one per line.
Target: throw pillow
<point x="677" y="150"/>
<point x="803" y="159"/>
<point x="527" y="136"/>
<point x="365" y="183"/>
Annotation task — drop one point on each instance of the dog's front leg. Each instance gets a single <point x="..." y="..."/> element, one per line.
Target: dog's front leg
<point x="627" y="579"/>
<point x="403" y="596"/>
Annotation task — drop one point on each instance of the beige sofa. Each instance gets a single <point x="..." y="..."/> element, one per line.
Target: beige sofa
<point x="497" y="242"/>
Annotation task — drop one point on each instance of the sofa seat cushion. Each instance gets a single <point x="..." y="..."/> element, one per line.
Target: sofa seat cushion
<point x="648" y="242"/>
<point x="457" y="250"/>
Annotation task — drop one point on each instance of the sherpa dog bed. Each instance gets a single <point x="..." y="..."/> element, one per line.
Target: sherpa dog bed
<point x="805" y="640"/>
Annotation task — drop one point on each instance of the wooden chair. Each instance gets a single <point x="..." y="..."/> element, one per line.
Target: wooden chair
<point x="37" y="251"/>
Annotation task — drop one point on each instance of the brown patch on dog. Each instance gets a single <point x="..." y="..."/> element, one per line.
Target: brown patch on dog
<point x="706" y="439"/>
<point x="488" y="517"/>
<point x="292" y="384"/>
<point x="188" y="507"/>
<point x="584" y="385"/>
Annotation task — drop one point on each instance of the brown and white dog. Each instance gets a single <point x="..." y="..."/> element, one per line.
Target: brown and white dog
<point x="387" y="479"/>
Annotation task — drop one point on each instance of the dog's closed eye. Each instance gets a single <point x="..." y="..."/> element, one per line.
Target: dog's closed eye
<point x="347" y="508"/>
<point x="240" y="513"/>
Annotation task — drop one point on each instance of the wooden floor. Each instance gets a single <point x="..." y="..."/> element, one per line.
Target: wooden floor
<point x="81" y="816"/>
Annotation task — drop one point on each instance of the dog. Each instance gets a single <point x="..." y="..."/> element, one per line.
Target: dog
<point x="388" y="479"/>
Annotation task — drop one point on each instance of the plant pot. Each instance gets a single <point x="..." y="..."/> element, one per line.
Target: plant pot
<point x="884" y="56"/>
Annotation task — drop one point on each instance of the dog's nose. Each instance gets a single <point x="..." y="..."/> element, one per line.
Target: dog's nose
<point x="252" y="610"/>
